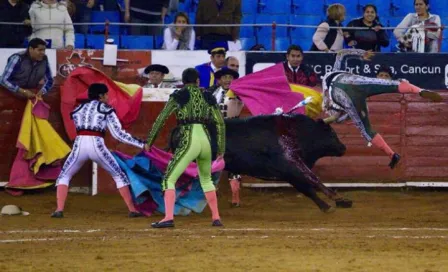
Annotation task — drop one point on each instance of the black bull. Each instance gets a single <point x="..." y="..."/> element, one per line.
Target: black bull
<point x="280" y="147"/>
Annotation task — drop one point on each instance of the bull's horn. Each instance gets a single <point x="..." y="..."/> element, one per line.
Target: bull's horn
<point x="330" y="119"/>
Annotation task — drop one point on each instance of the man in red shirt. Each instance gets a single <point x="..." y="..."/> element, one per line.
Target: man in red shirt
<point x="295" y="70"/>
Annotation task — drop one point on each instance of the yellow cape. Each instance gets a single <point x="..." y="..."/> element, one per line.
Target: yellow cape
<point x="314" y="108"/>
<point x="40" y="140"/>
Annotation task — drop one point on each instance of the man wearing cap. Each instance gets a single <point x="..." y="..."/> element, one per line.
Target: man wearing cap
<point x="217" y="61"/>
<point x="91" y="120"/>
<point x="156" y="74"/>
<point x="231" y="107"/>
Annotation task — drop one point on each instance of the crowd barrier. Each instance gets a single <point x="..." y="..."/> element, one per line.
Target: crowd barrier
<point x="414" y="127"/>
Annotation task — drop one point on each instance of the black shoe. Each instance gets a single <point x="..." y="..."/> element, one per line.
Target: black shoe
<point x="166" y="224"/>
<point x="135" y="214"/>
<point x="235" y="205"/>
<point x="435" y="97"/>
<point x="394" y="161"/>
<point x="57" y="214"/>
<point x="217" y="223"/>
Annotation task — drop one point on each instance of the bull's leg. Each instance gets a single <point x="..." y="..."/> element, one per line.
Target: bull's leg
<point x="309" y="177"/>
<point x="309" y="191"/>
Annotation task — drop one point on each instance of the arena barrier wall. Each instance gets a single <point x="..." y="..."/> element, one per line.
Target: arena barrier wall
<point x="414" y="127"/>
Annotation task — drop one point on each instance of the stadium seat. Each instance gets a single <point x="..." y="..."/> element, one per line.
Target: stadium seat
<point x="304" y="20"/>
<point x="158" y="42"/>
<point x="186" y="6"/>
<point x="402" y="7"/>
<point x="304" y="43"/>
<point x="101" y="17"/>
<point x="266" y="31"/>
<point x="391" y="22"/>
<point x="274" y="7"/>
<point x="444" y="48"/>
<point x="97" y="41"/>
<point x="192" y="17"/>
<point x="301" y="7"/>
<point x="440" y="8"/>
<point x="194" y="5"/>
<point x="282" y="44"/>
<point x="169" y="18"/>
<point x="137" y="42"/>
<point x="248" y="43"/>
<point x="80" y="40"/>
<point x="383" y="7"/>
<point x="247" y="31"/>
<point x="249" y="6"/>
<point x="351" y="7"/>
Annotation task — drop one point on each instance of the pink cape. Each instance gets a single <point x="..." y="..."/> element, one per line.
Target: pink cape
<point x="22" y="176"/>
<point x="262" y="92"/>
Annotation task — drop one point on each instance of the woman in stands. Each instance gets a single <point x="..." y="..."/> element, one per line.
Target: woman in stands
<point x="179" y="35"/>
<point x="326" y="38"/>
<point x="371" y="39"/>
<point x="420" y="17"/>
<point x="51" y="22"/>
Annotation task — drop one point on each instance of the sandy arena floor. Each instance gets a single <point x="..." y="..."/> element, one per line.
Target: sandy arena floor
<point x="272" y="231"/>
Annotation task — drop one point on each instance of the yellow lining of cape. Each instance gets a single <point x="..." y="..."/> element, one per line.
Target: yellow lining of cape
<point x="130" y="89"/>
<point x="38" y="137"/>
<point x="314" y="108"/>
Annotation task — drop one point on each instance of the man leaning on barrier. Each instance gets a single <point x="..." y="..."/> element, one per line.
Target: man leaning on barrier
<point x="26" y="69"/>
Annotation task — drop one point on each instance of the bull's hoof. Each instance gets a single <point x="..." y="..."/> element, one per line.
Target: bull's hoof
<point x="328" y="209"/>
<point x="344" y="203"/>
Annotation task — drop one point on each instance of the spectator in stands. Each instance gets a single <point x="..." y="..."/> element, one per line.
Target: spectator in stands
<point x="156" y="74"/>
<point x="179" y="35"/>
<point x="207" y="70"/>
<point x="14" y="11"/>
<point x="218" y="12"/>
<point x="232" y="63"/>
<point x="371" y="39"/>
<point x="83" y="14"/>
<point x="26" y="69"/>
<point x="420" y="17"/>
<point x="384" y="72"/>
<point x="296" y="71"/>
<point x="146" y="12"/>
<point x="59" y="28"/>
<point x="326" y="38"/>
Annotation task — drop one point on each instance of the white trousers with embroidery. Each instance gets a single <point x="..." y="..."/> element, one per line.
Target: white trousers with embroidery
<point x="91" y="148"/>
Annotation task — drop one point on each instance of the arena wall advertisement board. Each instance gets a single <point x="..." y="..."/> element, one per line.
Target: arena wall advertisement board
<point x="429" y="71"/>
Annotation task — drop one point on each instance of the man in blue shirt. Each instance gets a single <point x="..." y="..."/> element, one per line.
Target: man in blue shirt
<point x="217" y="61"/>
<point x="26" y="69"/>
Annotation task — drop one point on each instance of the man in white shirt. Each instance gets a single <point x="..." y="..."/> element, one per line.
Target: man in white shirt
<point x="156" y="74"/>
